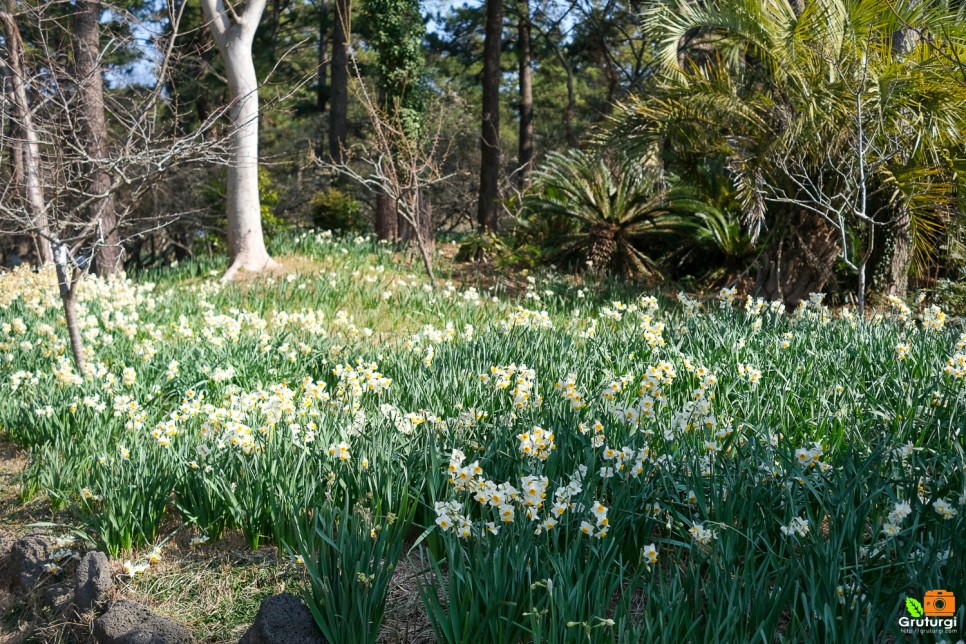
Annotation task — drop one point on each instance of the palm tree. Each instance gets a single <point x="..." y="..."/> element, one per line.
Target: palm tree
<point x="603" y="210"/>
<point x="791" y="99"/>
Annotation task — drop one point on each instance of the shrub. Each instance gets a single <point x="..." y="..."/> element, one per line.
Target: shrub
<point x="333" y="209"/>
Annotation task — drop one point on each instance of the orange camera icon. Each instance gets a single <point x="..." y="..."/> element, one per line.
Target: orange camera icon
<point x="939" y="603"/>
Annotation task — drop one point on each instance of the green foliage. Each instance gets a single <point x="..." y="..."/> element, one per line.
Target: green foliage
<point x="126" y="498"/>
<point x="488" y="591"/>
<point x="201" y="503"/>
<point x="395" y="30"/>
<point x="60" y="468"/>
<point x="350" y="553"/>
<point x="269" y="199"/>
<point x="766" y="94"/>
<point x="476" y="246"/>
<point x="602" y="211"/>
<point x="337" y="210"/>
<point x="950" y="289"/>
<point x="826" y="471"/>
<point x="721" y="237"/>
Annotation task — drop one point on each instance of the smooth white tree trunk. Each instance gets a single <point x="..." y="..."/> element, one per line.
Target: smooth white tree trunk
<point x="246" y="241"/>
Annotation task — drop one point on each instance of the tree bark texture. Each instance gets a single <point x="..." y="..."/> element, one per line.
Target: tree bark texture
<point x="893" y="256"/>
<point x="339" y="87"/>
<point x="799" y="259"/>
<point x="571" y="109"/>
<point x="526" y="91"/>
<point x="489" y="195"/>
<point x="68" y="280"/>
<point x="893" y="240"/>
<point x="93" y="131"/>
<point x="388" y="222"/>
<point x="322" y="89"/>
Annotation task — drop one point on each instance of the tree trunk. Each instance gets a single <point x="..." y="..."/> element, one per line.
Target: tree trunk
<point x="421" y="214"/>
<point x="74" y="334"/>
<point x="526" y="92"/>
<point x="424" y="222"/>
<point x="798" y="260"/>
<point x="16" y="161"/>
<point x="14" y="135"/>
<point x="602" y="246"/>
<point x="246" y="242"/>
<point x="30" y="149"/>
<point x="426" y="229"/>
<point x="893" y="256"/>
<point x="406" y="231"/>
<point x="93" y="131"/>
<point x="388" y="223"/>
<point x="10" y="130"/>
<point x="571" y="107"/>
<point x="488" y="206"/>
<point x="68" y="280"/>
<point x="322" y="89"/>
<point x="339" y="93"/>
<point x="893" y="240"/>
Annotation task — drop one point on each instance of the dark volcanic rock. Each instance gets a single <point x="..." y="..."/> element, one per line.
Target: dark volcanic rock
<point x="25" y="566"/>
<point x="283" y="619"/>
<point x="92" y="583"/>
<point x="131" y="623"/>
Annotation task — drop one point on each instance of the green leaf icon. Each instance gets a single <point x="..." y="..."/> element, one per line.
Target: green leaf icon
<point x="914" y="607"/>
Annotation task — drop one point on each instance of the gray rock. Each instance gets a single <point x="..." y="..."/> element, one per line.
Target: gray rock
<point x="92" y="582"/>
<point x="27" y="559"/>
<point x="59" y="596"/>
<point x="131" y="623"/>
<point x="283" y="619"/>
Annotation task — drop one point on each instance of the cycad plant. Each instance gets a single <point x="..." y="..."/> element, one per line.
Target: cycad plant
<point x="604" y="211"/>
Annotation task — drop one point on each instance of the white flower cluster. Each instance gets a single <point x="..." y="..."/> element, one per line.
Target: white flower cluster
<point x="702" y="535"/>
<point x="899" y="309"/>
<point x="691" y="307"/>
<point x="893" y="524"/>
<point x="429" y="337"/>
<point x="812" y="309"/>
<point x="537" y="444"/>
<point x="520" y="380"/>
<point x="933" y="319"/>
<point x="797" y="527"/>
<point x="525" y="319"/>
<point x="568" y="389"/>
<point x="812" y="457"/>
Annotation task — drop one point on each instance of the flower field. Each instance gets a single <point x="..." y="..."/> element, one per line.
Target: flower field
<point x="569" y="463"/>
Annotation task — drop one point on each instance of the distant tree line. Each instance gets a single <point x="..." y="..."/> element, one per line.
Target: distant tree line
<point x="793" y="147"/>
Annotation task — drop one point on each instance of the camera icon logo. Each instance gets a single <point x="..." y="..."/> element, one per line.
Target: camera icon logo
<point x="939" y="603"/>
